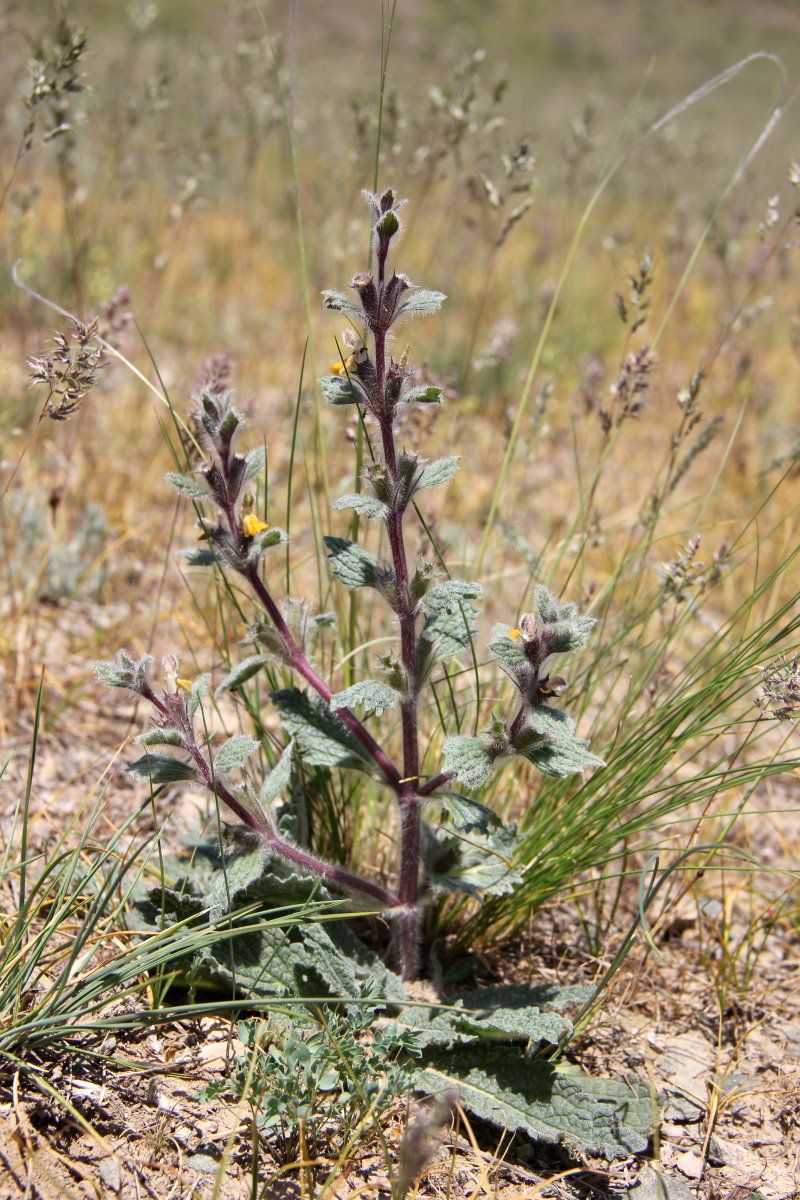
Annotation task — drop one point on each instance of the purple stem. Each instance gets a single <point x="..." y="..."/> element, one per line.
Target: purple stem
<point x="408" y="798"/>
<point x="338" y="876"/>
<point x="303" y="667"/>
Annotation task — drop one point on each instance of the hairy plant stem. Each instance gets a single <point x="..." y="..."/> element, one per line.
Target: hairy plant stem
<point x="408" y="797"/>
<point x="300" y="663"/>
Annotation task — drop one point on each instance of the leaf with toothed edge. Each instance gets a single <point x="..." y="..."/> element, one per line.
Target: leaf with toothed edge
<point x="447" y="597"/>
<point x="437" y="472"/>
<point x="365" y="506"/>
<point x="355" y="567"/>
<point x="233" y="754"/>
<point x="557" y="1105"/>
<point x="369" y="694"/>
<point x="470" y="760"/>
<point x="321" y="738"/>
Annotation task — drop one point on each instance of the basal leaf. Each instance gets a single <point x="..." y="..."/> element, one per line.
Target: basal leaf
<point x="550" y="1104"/>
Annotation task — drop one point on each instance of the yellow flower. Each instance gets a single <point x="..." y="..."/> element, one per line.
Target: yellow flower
<point x="515" y="633"/>
<point x="252" y="525"/>
<point x="346" y="366"/>
<point x="184" y="684"/>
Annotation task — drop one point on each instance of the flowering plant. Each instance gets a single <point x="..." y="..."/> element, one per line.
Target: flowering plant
<point x="434" y="613"/>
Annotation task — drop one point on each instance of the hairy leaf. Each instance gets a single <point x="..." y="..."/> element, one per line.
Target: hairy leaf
<point x="437" y="472"/>
<point x="339" y="389"/>
<point x="278" y="779"/>
<point x="521" y="995"/>
<point x="484" y="867"/>
<point x="551" y="1104"/>
<point x="421" y="302"/>
<point x="123" y="671"/>
<point x="159" y="769"/>
<point x="470" y="760"/>
<point x="245" y="670"/>
<point x="187" y="486"/>
<point x="467" y="813"/>
<point x="460" y="1024"/>
<point x="338" y="302"/>
<point x="200" y="556"/>
<point x="448" y="597"/>
<point x="369" y="694"/>
<point x="233" y="754"/>
<point x="160" y="737"/>
<point x="197" y="693"/>
<point x="355" y="567"/>
<point x="446" y="636"/>
<point x="562" y="757"/>
<point x="424" y="393"/>
<point x="322" y="740"/>
<point x="365" y="506"/>
<point x="255" y="461"/>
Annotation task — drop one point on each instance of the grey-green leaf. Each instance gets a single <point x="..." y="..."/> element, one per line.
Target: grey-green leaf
<point x="338" y="389"/>
<point x="187" y="486"/>
<point x="322" y="740"/>
<point x="448" y="597"/>
<point x="369" y="694"/>
<point x="485" y="865"/>
<point x="554" y="1105"/>
<point x="278" y="779"/>
<point x="161" y="737"/>
<point x="469" y="759"/>
<point x="437" y="472"/>
<point x="234" y="753"/>
<point x="421" y="302"/>
<point x="159" y="769"/>
<point x="197" y="693"/>
<point x="355" y="567"/>
<point x="365" y="506"/>
<point x="466" y="813"/>
<point x="424" y="393"/>
<point x="338" y="302"/>
<point x="255" y="460"/>
<point x="245" y="670"/>
<point x="562" y="757"/>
